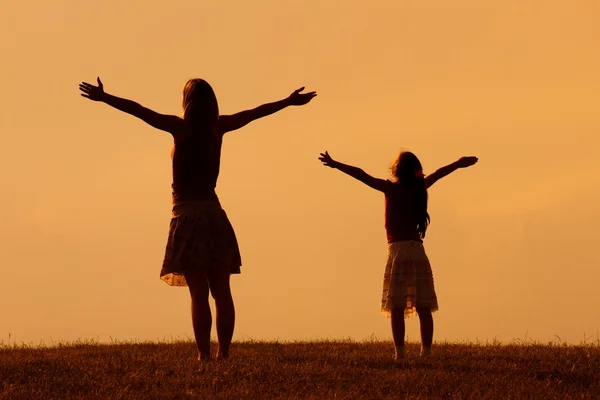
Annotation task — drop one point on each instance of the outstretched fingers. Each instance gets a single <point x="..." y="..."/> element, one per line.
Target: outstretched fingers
<point x="92" y="92"/>
<point x="85" y="89"/>
<point x="298" y="92"/>
<point x="302" y="98"/>
<point x="89" y="85"/>
<point x="326" y="159"/>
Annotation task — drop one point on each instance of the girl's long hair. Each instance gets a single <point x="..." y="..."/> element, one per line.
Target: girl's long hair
<point x="200" y="106"/>
<point x="408" y="172"/>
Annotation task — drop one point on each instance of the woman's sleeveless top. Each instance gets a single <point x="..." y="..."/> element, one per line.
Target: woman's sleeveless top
<point x="196" y="163"/>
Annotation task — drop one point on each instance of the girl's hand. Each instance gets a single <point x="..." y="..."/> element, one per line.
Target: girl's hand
<point x="465" y="162"/>
<point x="300" y="99"/>
<point x="327" y="160"/>
<point x="95" y="93"/>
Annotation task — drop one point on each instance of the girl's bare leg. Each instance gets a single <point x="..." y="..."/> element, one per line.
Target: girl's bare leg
<point x="398" y="330"/>
<point x="426" y="320"/>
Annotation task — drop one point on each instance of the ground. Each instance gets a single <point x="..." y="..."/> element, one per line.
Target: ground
<point x="304" y="370"/>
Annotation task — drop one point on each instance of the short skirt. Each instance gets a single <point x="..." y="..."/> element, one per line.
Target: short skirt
<point x="408" y="279"/>
<point x="200" y="237"/>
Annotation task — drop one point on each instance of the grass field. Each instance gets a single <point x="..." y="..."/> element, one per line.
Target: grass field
<point x="305" y="370"/>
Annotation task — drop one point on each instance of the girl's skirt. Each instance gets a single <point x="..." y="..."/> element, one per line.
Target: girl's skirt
<point x="200" y="237"/>
<point x="408" y="280"/>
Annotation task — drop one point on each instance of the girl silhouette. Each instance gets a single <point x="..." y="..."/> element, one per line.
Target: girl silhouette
<point x="408" y="281"/>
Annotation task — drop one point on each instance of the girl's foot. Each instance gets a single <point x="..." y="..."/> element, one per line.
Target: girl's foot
<point x="221" y="355"/>
<point x="425" y="352"/>
<point x="399" y="355"/>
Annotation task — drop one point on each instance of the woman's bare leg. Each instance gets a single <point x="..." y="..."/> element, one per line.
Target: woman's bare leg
<point x="221" y="292"/>
<point x="201" y="316"/>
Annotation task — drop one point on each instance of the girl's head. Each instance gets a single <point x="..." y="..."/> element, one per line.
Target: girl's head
<point x="407" y="168"/>
<point x="200" y="105"/>
<point x="408" y="172"/>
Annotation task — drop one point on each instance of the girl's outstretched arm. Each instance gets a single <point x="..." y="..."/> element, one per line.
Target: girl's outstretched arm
<point x="169" y="123"/>
<point x="356" y="173"/>
<point x="236" y="121"/>
<point x="463" y="162"/>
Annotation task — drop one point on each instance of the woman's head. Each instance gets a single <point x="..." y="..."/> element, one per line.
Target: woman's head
<point x="200" y="104"/>
<point x="408" y="172"/>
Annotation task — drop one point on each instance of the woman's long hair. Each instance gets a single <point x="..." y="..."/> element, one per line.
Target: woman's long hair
<point x="408" y="172"/>
<point x="200" y="106"/>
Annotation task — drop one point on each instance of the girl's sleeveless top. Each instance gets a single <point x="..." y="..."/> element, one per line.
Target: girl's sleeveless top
<point x="400" y="223"/>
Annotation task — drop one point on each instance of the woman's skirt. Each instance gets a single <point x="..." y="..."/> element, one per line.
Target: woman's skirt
<point x="408" y="280"/>
<point x="200" y="237"/>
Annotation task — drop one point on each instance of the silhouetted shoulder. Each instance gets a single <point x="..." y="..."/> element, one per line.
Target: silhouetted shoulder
<point x="175" y="125"/>
<point x="228" y="123"/>
<point x="390" y="187"/>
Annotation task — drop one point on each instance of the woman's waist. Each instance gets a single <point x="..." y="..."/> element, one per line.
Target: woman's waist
<point x="193" y="193"/>
<point x="196" y="207"/>
<point x="400" y="242"/>
<point x="402" y="235"/>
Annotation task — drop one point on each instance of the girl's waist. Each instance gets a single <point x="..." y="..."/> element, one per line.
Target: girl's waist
<point x="406" y="245"/>
<point x="403" y="236"/>
<point x="194" y="194"/>
<point x="195" y="207"/>
<point x="418" y="242"/>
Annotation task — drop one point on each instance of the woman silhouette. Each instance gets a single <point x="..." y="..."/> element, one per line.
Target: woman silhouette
<point x="202" y="250"/>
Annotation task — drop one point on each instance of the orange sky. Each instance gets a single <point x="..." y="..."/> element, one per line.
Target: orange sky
<point x="85" y="202"/>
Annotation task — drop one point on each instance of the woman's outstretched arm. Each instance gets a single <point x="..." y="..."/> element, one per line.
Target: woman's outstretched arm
<point x="355" y="172"/>
<point x="168" y="123"/>
<point x="232" y="122"/>
<point x="463" y="162"/>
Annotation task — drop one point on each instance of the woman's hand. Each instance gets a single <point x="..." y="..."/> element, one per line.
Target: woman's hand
<point x="327" y="160"/>
<point x="95" y="93"/>
<point x="465" y="162"/>
<point x="300" y="99"/>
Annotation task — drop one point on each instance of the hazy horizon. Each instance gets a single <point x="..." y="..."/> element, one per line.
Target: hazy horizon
<point x="86" y="189"/>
